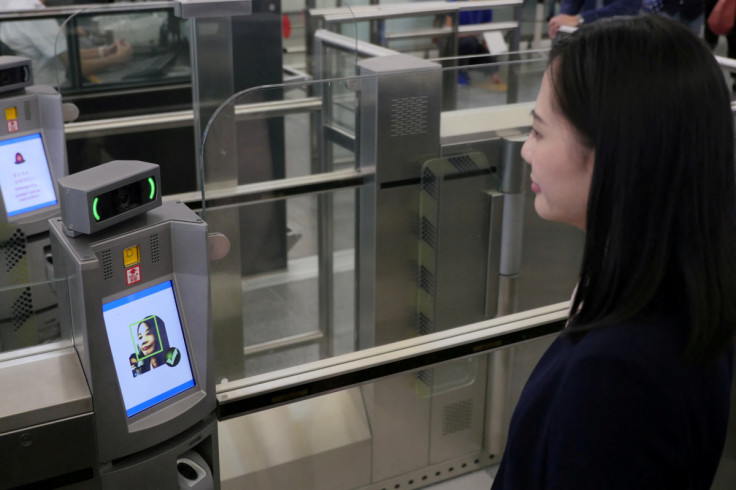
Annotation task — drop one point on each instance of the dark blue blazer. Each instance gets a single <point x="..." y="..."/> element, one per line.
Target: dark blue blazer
<point x="619" y="409"/>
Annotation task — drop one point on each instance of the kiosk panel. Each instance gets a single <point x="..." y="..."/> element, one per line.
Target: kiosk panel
<point x="148" y="347"/>
<point x="25" y="182"/>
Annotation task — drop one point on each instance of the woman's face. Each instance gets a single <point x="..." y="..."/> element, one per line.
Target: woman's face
<point x="562" y="167"/>
<point x="146" y="339"/>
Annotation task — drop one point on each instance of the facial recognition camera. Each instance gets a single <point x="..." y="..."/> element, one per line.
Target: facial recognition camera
<point x="108" y="194"/>
<point x="15" y="73"/>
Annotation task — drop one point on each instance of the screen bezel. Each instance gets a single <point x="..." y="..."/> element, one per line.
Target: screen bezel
<point x="25" y="216"/>
<point x="163" y="404"/>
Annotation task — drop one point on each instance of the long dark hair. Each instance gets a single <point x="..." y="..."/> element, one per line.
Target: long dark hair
<point x="155" y="323"/>
<point x="647" y="95"/>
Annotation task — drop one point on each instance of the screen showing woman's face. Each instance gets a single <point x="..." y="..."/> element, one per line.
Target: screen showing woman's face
<point x="146" y="339"/>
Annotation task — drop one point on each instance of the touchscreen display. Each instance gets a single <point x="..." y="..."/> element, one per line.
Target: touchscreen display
<point x="148" y="348"/>
<point x="25" y="178"/>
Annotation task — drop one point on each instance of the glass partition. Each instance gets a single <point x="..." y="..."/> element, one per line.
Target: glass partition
<point x="408" y="430"/>
<point x="126" y="67"/>
<point x="327" y="254"/>
<point x="31" y="313"/>
<point x="96" y="47"/>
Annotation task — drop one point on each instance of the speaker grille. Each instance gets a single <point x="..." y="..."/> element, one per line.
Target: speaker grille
<point x="27" y="110"/>
<point x="457" y="416"/>
<point x="155" y="250"/>
<point x="409" y="116"/>
<point x="107" y="270"/>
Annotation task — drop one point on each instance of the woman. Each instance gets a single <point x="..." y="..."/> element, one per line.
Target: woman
<point x="632" y="141"/>
<point x="152" y="342"/>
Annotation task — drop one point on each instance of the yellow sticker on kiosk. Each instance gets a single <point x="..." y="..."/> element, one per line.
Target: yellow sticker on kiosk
<point x="131" y="255"/>
<point x="11" y="113"/>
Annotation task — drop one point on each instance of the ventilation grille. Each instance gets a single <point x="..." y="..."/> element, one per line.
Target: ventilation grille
<point x="429" y="183"/>
<point x="424" y="324"/>
<point x="428" y="232"/>
<point x="409" y="116"/>
<point x="15" y="250"/>
<point x="426" y="280"/>
<point x="22" y="309"/>
<point x="27" y="110"/>
<point x="155" y="250"/>
<point x="457" y="416"/>
<point x="463" y="164"/>
<point x="107" y="270"/>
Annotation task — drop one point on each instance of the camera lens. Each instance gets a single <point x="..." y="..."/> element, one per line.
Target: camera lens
<point x="123" y="197"/>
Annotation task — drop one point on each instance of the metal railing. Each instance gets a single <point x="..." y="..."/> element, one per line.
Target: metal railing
<point x="292" y="384"/>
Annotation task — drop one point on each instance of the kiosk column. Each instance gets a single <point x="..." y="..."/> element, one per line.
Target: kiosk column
<point x="139" y="300"/>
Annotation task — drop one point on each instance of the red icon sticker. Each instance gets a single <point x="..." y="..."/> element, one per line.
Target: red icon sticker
<point x="133" y="275"/>
<point x="12" y="126"/>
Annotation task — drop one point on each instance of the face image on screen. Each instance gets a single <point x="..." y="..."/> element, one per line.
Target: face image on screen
<point x="148" y="348"/>
<point x="25" y="178"/>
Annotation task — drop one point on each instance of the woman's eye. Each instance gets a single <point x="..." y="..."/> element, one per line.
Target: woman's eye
<point x="533" y="133"/>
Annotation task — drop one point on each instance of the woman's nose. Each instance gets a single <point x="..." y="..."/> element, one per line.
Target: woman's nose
<point x="526" y="150"/>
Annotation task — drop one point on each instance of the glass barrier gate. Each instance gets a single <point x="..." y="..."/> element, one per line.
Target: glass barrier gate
<point x="403" y="223"/>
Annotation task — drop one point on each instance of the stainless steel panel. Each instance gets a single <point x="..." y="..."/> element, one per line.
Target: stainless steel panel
<point x="399" y="413"/>
<point x="42" y="389"/>
<point x="399" y="116"/>
<point x="398" y="131"/>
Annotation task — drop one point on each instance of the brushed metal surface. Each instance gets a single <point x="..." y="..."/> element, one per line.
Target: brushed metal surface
<point x="42" y="388"/>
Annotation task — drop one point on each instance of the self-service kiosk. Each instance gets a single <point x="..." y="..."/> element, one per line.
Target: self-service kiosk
<point x="32" y="157"/>
<point x="139" y="306"/>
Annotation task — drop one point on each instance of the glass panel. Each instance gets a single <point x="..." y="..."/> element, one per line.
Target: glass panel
<point x="281" y="313"/>
<point x="132" y="49"/>
<point x="96" y="49"/>
<point x="149" y="77"/>
<point x="329" y="251"/>
<point x="38" y="39"/>
<point x="408" y="430"/>
<point x="30" y="312"/>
